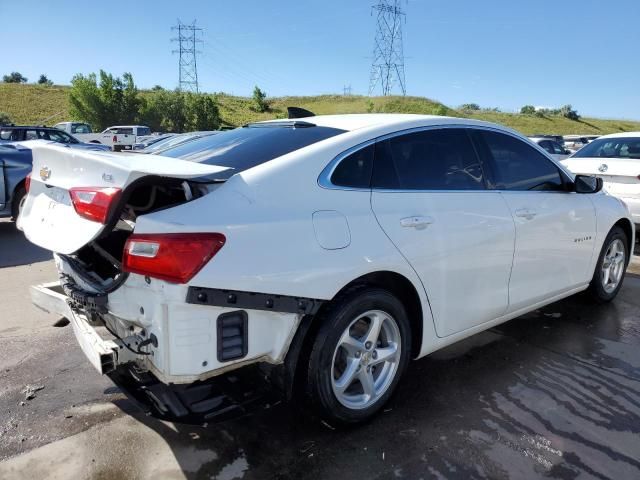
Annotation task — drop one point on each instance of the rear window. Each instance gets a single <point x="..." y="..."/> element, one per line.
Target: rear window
<point x="143" y="131"/>
<point x="252" y="145"/>
<point x="5" y="134"/>
<point x="80" y="128"/>
<point x="122" y="131"/>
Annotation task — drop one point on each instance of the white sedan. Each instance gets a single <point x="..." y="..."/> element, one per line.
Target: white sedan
<point x="333" y="248"/>
<point x="616" y="159"/>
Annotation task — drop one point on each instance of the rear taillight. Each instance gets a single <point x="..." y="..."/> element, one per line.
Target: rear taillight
<point x="115" y="138"/>
<point x="94" y="203"/>
<point x="27" y="183"/>
<point x="174" y="257"/>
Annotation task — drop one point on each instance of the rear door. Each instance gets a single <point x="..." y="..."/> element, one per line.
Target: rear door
<point x="555" y="228"/>
<point x="430" y="198"/>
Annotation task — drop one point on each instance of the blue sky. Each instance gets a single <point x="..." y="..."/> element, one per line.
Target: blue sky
<point x="497" y="53"/>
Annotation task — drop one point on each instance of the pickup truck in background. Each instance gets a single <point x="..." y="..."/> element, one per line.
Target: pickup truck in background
<point x="119" y="137"/>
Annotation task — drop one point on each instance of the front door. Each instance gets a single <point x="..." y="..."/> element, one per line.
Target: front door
<point x="555" y="227"/>
<point x="430" y="198"/>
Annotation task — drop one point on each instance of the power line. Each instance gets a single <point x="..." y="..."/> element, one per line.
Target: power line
<point x="187" y="63"/>
<point x="387" y="66"/>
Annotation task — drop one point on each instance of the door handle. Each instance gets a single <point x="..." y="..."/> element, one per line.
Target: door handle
<point x="416" y="222"/>
<point x="526" y="213"/>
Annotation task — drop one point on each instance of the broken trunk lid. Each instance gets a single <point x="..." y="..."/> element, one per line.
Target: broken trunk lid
<point x="48" y="217"/>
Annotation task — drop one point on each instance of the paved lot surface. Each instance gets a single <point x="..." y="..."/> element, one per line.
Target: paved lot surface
<point x="555" y="393"/>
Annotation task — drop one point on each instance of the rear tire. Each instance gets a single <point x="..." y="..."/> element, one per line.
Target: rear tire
<point x="360" y="352"/>
<point x="16" y="204"/>
<point x="611" y="266"/>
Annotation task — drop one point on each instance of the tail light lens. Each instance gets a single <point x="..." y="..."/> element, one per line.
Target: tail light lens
<point x="27" y="183"/>
<point x="94" y="203"/>
<point x="174" y="257"/>
<point x="115" y="138"/>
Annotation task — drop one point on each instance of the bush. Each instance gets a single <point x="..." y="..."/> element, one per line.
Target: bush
<point x="14" y="77"/>
<point x="5" y="119"/>
<point x="528" y="110"/>
<point x="177" y="111"/>
<point x="567" y="111"/>
<point x="470" y="107"/>
<point x="43" y="80"/>
<point x="260" y="100"/>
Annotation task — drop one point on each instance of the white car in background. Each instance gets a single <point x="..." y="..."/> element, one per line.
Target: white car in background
<point x="329" y="250"/>
<point x="553" y="148"/>
<point x="616" y="159"/>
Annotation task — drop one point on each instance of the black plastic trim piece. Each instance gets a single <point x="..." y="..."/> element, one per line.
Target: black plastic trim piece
<point x="252" y="301"/>
<point x="83" y="301"/>
<point x="230" y="320"/>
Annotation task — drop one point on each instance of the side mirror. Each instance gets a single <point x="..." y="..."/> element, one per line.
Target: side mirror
<point x="588" y="184"/>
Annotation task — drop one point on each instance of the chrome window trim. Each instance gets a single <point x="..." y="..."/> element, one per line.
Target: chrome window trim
<point x="324" y="179"/>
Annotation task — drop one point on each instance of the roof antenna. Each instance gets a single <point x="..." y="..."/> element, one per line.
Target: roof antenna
<point x="297" y="112"/>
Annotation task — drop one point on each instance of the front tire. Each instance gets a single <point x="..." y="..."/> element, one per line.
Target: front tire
<point x="358" y="356"/>
<point x="610" y="269"/>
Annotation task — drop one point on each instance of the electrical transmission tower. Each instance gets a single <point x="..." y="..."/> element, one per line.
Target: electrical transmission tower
<point x="346" y="90"/>
<point x="188" y="67"/>
<point x="387" y="67"/>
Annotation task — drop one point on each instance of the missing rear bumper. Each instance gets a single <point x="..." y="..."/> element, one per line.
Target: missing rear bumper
<point x="215" y="400"/>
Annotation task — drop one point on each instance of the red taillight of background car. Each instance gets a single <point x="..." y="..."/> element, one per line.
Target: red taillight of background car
<point x="27" y="183"/>
<point x="94" y="203"/>
<point x="115" y="139"/>
<point x="174" y="257"/>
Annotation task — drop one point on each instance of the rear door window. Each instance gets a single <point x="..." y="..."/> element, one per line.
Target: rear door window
<point x="439" y="159"/>
<point x="516" y="165"/>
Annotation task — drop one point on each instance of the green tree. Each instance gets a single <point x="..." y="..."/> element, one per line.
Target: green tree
<point x="43" y="80"/>
<point x="5" y="119"/>
<point x="528" y="110"/>
<point x="260" y="103"/>
<point x="470" y="107"/>
<point x="203" y="112"/>
<point x="14" y="77"/>
<point x="111" y="101"/>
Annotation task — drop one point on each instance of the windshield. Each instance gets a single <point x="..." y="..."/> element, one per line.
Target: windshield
<point x="252" y="145"/>
<point x="620" y="147"/>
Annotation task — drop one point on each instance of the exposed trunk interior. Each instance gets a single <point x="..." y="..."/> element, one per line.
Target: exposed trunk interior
<point x="99" y="262"/>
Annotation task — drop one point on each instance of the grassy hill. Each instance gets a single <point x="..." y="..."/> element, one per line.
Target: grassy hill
<point x="33" y="104"/>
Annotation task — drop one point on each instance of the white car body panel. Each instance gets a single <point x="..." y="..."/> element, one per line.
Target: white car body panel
<point x="542" y="268"/>
<point x="444" y="252"/>
<point x="620" y="178"/>
<point x="287" y="235"/>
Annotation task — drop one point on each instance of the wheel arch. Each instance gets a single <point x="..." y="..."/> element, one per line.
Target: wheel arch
<point x="627" y="228"/>
<point x="289" y="377"/>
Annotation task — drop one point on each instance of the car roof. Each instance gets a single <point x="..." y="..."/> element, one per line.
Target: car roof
<point x="358" y="121"/>
<point x="41" y="127"/>
<point x="621" y="135"/>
